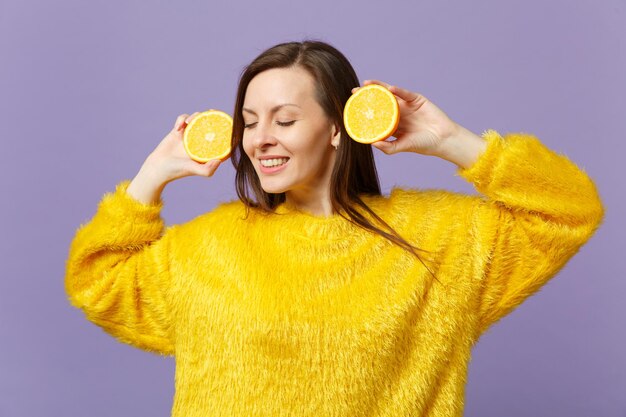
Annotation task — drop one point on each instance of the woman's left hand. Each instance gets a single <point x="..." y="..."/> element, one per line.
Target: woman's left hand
<point x="422" y="128"/>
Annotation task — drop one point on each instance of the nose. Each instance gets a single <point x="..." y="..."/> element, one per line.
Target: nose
<point x="262" y="135"/>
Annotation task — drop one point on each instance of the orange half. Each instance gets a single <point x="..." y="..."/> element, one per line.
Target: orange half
<point x="371" y="114"/>
<point x="208" y="136"/>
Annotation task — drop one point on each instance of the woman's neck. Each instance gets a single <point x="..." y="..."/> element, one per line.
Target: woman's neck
<point x="315" y="202"/>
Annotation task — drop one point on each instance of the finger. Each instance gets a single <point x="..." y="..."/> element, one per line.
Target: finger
<point x="180" y="121"/>
<point x="203" y="169"/>
<point x="384" y="84"/>
<point x="404" y="94"/>
<point x="190" y="118"/>
<point x="209" y="168"/>
<point x="368" y="82"/>
<point x="388" y="147"/>
<point x="383" y="147"/>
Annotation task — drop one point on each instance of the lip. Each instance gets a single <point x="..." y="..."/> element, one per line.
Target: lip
<point x="272" y="170"/>
<point x="272" y="157"/>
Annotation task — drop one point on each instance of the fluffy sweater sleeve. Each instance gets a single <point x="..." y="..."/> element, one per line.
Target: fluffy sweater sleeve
<point x="117" y="271"/>
<point x="536" y="210"/>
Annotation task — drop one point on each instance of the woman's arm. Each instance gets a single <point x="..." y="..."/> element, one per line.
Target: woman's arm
<point x="537" y="209"/>
<point x="117" y="271"/>
<point x="540" y="208"/>
<point x="462" y="148"/>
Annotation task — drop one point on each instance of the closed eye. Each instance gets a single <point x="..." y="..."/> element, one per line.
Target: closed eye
<point x="246" y="126"/>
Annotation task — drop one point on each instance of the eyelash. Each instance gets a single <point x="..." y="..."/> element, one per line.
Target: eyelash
<point x="279" y="123"/>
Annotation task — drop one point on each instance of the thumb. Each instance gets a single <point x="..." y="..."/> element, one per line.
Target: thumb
<point x="203" y="169"/>
<point x="386" y="146"/>
<point x="208" y="168"/>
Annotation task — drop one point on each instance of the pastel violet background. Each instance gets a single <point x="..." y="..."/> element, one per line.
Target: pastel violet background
<point x="88" y="89"/>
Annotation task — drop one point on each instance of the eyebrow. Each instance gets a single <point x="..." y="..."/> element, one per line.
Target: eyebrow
<point x="273" y="109"/>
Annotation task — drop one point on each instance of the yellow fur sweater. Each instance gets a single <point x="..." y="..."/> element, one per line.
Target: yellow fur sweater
<point x="290" y="314"/>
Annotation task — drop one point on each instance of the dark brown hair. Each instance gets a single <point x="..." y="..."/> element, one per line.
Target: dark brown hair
<point x="354" y="172"/>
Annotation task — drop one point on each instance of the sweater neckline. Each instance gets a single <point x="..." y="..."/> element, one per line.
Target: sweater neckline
<point x="310" y="226"/>
<point x="288" y="208"/>
<point x="306" y="225"/>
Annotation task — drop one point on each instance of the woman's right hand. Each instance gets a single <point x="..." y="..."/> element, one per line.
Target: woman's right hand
<point x="169" y="160"/>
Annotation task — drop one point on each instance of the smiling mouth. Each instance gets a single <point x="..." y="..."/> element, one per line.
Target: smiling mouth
<point x="273" y="163"/>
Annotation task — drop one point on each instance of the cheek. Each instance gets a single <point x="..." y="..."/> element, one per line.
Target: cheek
<point x="313" y="148"/>
<point x="247" y="148"/>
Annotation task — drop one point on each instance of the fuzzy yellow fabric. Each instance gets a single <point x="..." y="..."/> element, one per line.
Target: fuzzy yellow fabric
<point x="294" y="314"/>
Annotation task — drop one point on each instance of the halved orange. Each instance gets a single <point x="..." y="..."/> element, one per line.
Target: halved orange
<point x="208" y="136"/>
<point x="371" y="114"/>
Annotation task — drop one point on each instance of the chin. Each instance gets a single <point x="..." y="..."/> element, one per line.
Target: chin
<point x="274" y="188"/>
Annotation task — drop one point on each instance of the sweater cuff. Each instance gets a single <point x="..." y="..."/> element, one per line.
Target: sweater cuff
<point x="481" y="171"/>
<point x="120" y="205"/>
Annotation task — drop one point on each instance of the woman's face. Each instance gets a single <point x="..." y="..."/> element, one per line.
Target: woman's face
<point x="287" y="130"/>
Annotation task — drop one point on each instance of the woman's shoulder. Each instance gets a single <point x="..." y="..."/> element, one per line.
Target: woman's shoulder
<point x="410" y="204"/>
<point x="220" y="230"/>
<point x="403" y="198"/>
<point x="228" y="210"/>
<point x="224" y="216"/>
<point x="406" y="209"/>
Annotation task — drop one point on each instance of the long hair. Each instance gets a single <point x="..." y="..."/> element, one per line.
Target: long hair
<point x="354" y="172"/>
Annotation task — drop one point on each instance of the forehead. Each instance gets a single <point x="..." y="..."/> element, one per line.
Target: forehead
<point x="277" y="86"/>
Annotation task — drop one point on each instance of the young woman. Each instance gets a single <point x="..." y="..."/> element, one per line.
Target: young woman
<point x="313" y="294"/>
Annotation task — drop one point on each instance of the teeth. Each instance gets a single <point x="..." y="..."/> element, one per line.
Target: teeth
<point x="273" y="162"/>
